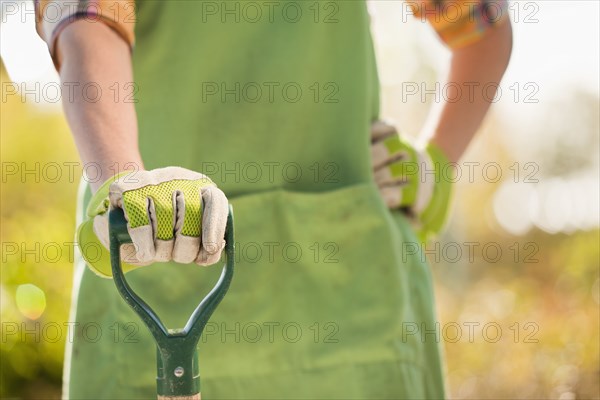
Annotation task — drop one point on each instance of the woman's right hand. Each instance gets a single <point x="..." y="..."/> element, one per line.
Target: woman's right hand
<point x="172" y="214"/>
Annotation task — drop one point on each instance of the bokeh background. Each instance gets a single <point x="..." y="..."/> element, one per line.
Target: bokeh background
<point x="517" y="273"/>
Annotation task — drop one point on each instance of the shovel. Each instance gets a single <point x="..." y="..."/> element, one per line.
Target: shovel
<point x="178" y="377"/>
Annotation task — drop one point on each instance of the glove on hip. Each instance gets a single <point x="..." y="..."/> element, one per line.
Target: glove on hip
<point x="410" y="178"/>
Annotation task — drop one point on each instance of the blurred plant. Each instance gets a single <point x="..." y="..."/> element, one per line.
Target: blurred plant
<point x="36" y="212"/>
<point x="544" y="290"/>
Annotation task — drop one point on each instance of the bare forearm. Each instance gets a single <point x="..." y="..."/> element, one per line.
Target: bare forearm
<point x="104" y="127"/>
<point x="482" y="64"/>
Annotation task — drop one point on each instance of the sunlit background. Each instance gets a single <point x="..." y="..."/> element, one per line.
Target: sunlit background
<point x="537" y="298"/>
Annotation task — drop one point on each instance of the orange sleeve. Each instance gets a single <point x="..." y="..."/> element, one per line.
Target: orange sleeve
<point x="461" y="22"/>
<point x="52" y="16"/>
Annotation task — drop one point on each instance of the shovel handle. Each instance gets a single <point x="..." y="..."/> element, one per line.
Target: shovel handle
<point x="178" y="376"/>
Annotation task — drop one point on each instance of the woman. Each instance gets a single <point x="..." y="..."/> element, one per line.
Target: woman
<point x="273" y="101"/>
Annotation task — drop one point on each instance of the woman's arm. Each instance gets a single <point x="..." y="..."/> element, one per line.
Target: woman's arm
<point x="105" y="131"/>
<point x="482" y="62"/>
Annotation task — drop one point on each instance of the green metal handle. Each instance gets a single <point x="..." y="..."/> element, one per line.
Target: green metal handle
<point x="177" y="357"/>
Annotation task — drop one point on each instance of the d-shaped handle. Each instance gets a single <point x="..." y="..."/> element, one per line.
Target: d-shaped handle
<point x="178" y="375"/>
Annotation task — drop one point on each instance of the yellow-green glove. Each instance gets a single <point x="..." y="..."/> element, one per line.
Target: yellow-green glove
<point x="411" y="179"/>
<point x="172" y="213"/>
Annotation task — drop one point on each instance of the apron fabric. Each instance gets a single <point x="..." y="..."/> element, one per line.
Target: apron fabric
<point x="325" y="299"/>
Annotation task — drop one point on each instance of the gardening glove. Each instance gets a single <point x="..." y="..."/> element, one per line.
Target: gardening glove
<point x="172" y="214"/>
<point x="411" y="179"/>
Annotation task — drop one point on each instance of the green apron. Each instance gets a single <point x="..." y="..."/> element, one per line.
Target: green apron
<point x="272" y="100"/>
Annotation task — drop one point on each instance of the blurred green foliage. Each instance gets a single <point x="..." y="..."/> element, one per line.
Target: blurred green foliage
<point x="542" y="310"/>
<point x="540" y="296"/>
<point x="553" y="295"/>
<point x="35" y="212"/>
